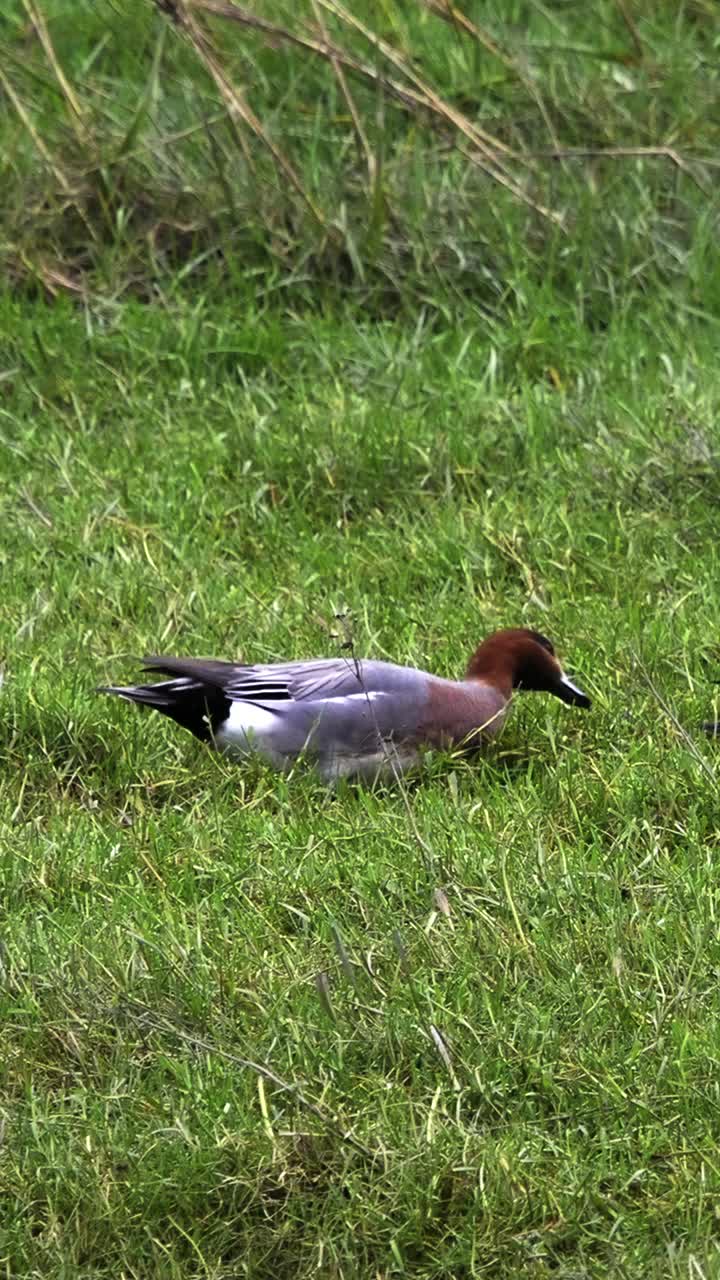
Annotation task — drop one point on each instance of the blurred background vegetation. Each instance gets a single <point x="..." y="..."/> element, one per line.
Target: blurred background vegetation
<point x="406" y="153"/>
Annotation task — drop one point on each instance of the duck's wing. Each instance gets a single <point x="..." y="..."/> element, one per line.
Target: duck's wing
<point x="319" y="679"/>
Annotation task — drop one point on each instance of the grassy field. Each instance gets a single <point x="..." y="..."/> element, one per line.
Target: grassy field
<point x="466" y="1028"/>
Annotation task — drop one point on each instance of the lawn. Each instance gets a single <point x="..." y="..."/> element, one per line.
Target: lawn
<point x="467" y="1027"/>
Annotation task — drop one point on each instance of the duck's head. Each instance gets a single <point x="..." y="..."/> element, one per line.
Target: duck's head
<point x="521" y="659"/>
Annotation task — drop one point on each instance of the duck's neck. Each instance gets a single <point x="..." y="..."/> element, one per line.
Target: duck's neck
<point x="490" y="669"/>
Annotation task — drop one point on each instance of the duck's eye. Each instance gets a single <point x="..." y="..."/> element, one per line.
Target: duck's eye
<point x="543" y="640"/>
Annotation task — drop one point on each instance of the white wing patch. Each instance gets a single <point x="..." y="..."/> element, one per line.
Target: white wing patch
<point x="368" y="696"/>
<point x="249" y="728"/>
<point x="247" y="721"/>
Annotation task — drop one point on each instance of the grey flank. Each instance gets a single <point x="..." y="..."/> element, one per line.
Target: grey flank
<point x="336" y="708"/>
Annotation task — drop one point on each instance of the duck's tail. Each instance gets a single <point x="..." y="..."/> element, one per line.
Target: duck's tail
<point x="195" y="704"/>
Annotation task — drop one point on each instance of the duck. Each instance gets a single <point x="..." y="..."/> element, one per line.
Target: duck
<point x="352" y="718"/>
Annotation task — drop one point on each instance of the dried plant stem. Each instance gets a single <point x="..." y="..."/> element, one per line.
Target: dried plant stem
<point x="418" y="95"/>
<point x="620" y="153"/>
<point x="323" y="49"/>
<point x="445" y="10"/>
<point x="47" y="156"/>
<point x="77" y="118"/>
<point x="350" y="101"/>
<point x="667" y="709"/>
<point x="181" y="12"/>
<point x="402" y="65"/>
<point x="488" y="146"/>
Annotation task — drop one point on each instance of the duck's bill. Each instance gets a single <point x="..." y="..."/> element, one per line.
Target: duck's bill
<point x="712" y="728"/>
<point x="568" y="691"/>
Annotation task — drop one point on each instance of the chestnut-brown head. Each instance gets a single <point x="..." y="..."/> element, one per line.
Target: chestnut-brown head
<point x="522" y="659"/>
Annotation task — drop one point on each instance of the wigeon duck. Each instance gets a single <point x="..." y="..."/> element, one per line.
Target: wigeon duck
<point x="351" y="717"/>
<point x="712" y="728"/>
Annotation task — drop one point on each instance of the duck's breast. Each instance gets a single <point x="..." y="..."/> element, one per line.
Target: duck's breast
<point x="462" y="711"/>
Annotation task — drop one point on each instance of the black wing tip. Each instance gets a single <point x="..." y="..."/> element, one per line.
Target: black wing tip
<point x="201" y="708"/>
<point x="144" y="695"/>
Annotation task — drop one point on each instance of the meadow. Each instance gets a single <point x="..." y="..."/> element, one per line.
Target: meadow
<point x="465" y="1027"/>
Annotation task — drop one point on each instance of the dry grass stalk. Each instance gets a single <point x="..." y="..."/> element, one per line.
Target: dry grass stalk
<point x="630" y="153"/>
<point x="350" y="101"/>
<point x="37" y="18"/>
<point x="181" y="12"/>
<point x="448" y="13"/>
<point x="418" y="95"/>
<point x="47" y="156"/>
<point x="276" y="35"/>
<point x="479" y="136"/>
<point x="489" y="147"/>
<point x="679" y="728"/>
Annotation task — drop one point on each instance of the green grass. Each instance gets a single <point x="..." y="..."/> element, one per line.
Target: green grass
<point x="196" y="481"/>
<point x="241" y="1034"/>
